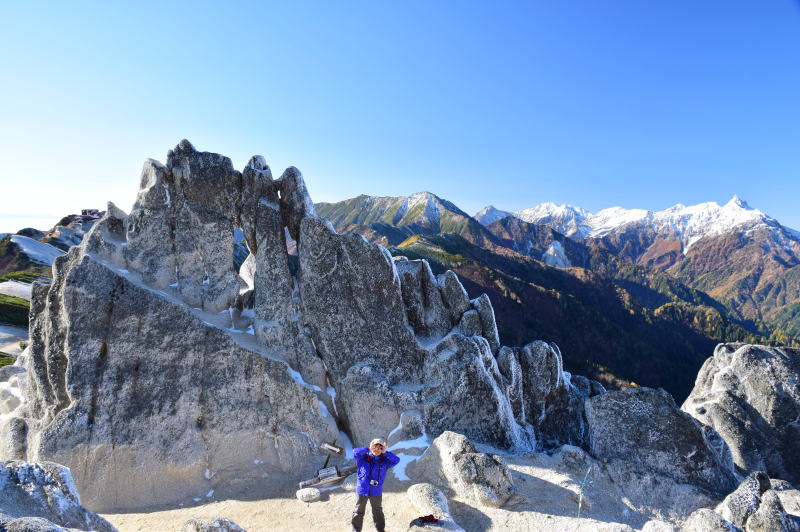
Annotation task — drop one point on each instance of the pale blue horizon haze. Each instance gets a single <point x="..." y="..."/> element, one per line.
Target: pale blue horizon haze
<point x="597" y="104"/>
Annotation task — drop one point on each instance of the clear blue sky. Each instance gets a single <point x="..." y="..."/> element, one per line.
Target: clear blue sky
<point x="595" y="103"/>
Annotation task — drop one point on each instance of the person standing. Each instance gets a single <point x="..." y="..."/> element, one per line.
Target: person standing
<point x="372" y="464"/>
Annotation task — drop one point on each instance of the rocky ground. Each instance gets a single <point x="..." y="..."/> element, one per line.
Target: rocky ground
<point x="548" y="487"/>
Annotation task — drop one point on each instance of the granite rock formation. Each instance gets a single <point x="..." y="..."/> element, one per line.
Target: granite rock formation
<point x="706" y="520"/>
<point x="744" y="501"/>
<point x="754" y="506"/>
<point x="158" y="370"/>
<point x="645" y="430"/>
<point x="750" y="396"/>
<point x="218" y="524"/>
<point x="43" y="497"/>
<point x="453" y="463"/>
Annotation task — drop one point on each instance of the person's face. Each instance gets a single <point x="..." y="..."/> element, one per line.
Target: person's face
<point x="377" y="449"/>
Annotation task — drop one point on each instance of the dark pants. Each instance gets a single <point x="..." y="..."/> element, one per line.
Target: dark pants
<point x="377" y="512"/>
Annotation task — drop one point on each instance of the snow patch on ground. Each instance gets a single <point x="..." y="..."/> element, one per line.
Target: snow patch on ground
<point x="10" y="337"/>
<point x="16" y="289"/>
<point x="417" y="444"/>
<point x="269" y="204"/>
<point x="37" y="251"/>
<point x="399" y="470"/>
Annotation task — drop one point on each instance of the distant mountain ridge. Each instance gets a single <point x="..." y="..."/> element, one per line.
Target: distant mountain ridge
<point x="741" y="256"/>
<point x="390" y="220"/>
<point x="689" y="223"/>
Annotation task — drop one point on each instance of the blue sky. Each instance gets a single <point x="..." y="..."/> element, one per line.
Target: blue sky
<point x="594" y="103"/>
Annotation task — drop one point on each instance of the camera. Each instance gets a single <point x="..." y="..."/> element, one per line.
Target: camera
<point x="373" y="482"/>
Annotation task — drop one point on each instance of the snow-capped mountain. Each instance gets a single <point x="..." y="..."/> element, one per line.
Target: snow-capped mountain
<point x="568" y="220"/>
<point x="489" y="215"/>
<point x="688" y="224"/>
<point x="737" y="254"/>
<point x="396" y="218"/>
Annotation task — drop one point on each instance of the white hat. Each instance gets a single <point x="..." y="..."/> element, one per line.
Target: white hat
<point x="381" y="441"/>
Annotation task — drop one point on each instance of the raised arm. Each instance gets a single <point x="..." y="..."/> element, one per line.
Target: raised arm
<point x="359" y="454"/>
<point x="392" y="458"/>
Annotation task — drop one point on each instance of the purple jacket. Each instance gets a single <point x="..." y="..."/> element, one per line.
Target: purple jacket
<point x="372" y="468"/>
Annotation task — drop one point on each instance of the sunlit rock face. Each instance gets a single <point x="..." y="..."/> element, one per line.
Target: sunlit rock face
<point x="750" y="396"/>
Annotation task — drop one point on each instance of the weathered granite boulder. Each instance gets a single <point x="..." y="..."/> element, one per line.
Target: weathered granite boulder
<point x="644" y="428"/>
<point x="350" y="483"/>
<point x="470" y="324"/>
<point x="43" y="497"/>
<point x="308" y="494"/>
<point x="648" y="493"/>
<point x="411" y="426"/>
<point x="743" y="502"/>
<point x="706" y="520"/>
<point x="789" y="496"/>
<point x="771" y="516"/>
<point x="454" y="297"/>
<point x="750" y="396"/>
<point x="556" y="398"/>
<point x="756" y="506"/>
<point x="218" y="524"/>
<point x="452" y="463"/>
<point x="366" y="310"/>
<point x="191" y="206"/>
<point x="483" y="305"/>
<point x="15" y="432"/>
<point x="429" y="500"/>
<point x="545" y="397"/>
<point x="278" y="320"/>
<point x="658" y="526"/>
<point x="30" y="524"/>
<point x="295" y="201"/>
